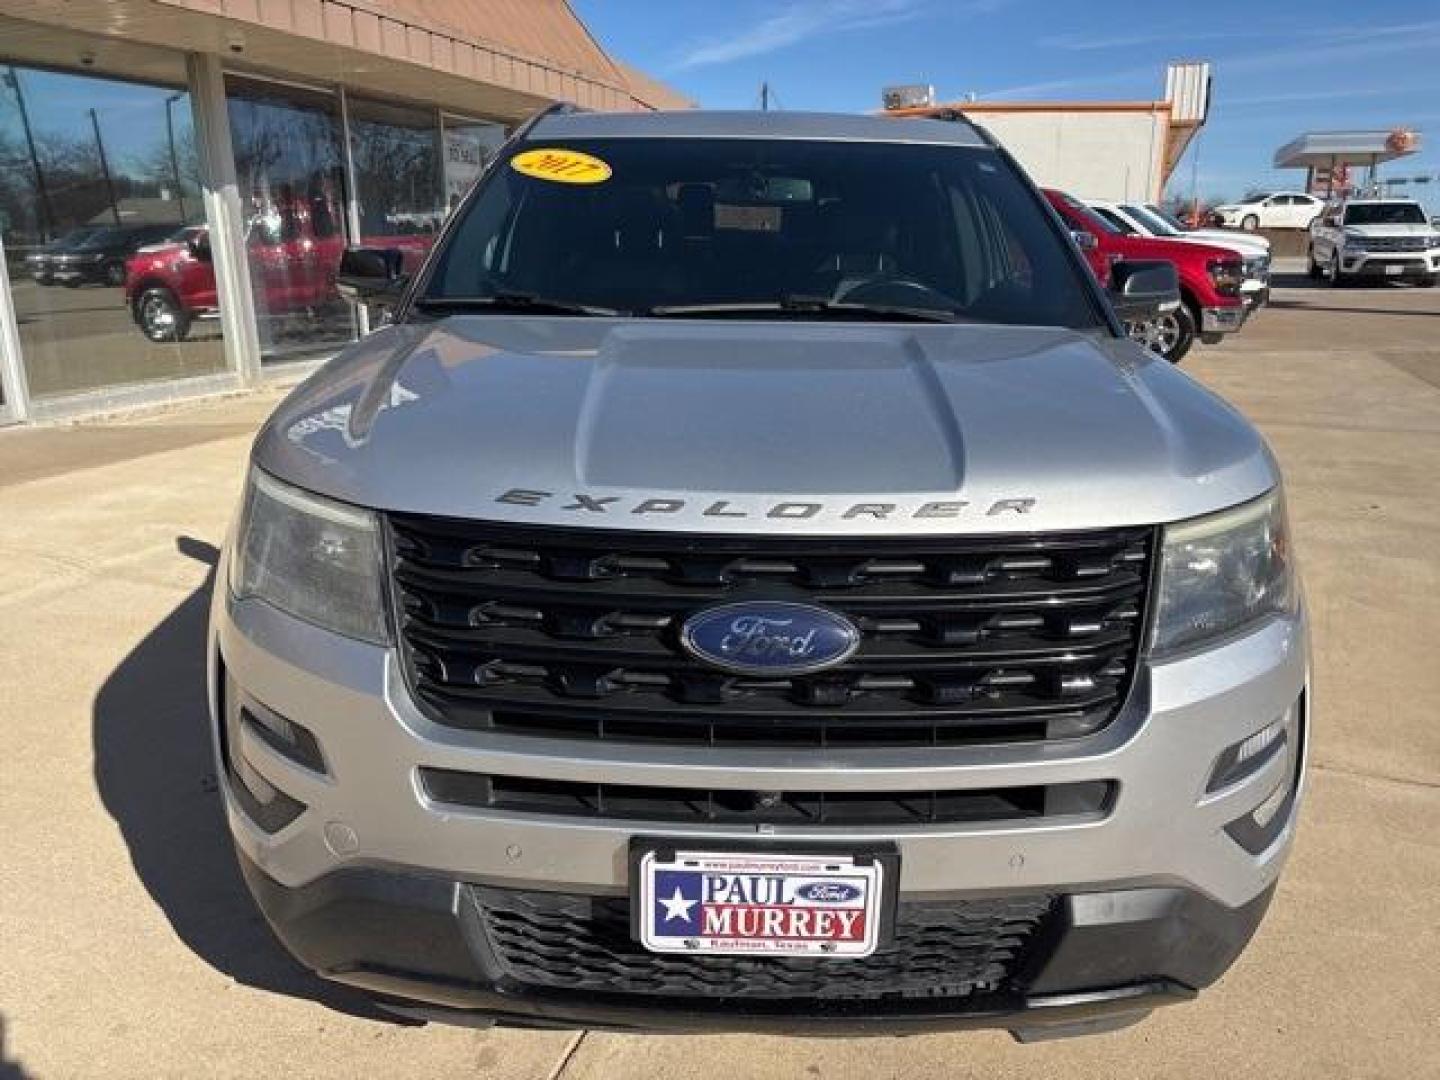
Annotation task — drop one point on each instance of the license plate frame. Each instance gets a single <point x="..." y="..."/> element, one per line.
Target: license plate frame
<point x="877" y="863"/>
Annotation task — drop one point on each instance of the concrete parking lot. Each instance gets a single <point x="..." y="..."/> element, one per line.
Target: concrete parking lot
<point x="129" y="948"/>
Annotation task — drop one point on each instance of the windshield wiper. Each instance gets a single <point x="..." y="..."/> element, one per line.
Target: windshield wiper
<point x="528" y="303"/>
<point x="809" y="305"/>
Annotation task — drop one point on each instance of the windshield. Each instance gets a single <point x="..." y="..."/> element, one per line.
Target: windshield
<point x="1111" y="217"/>
<point x="1167" y="217"/>
<point x="1151" y="220"/>
<point x="76" y="237"/>
<point x="1384" y="214"/>
<point x="1085" y="218"/>
<point x="1255" y="198"/>
<point x="667" y="226"/>
<point x="99" y="238"/>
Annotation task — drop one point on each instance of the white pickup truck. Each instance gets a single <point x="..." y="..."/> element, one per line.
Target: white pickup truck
<point x="1379" y="238"/>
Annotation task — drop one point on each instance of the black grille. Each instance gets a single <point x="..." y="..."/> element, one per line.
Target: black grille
<point x="574" y="633"/>
<point x="1395" y="243"/>
<point x="626" y="802"/>
<point x="958" y="949"/>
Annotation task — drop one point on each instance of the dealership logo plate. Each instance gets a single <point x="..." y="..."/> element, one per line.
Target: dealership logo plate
<point x="757" y="903"/>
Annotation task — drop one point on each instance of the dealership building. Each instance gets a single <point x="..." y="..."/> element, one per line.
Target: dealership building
<point x="239" y="145"/>
<point x="1120" y="151"/>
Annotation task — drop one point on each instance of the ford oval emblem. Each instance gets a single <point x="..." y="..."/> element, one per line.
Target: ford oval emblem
<point x="829" y="892"/>
<point x="770" y="637"/>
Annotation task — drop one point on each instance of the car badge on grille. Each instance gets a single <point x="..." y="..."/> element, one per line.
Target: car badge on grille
<point x="763" y="637"/>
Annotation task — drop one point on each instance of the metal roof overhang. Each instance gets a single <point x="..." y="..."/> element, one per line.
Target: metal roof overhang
<point x="1326" y="149"/>
<point x="319" y="42"/>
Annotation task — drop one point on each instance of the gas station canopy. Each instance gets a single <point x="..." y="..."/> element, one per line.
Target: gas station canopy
<point x="1327" y="149"/>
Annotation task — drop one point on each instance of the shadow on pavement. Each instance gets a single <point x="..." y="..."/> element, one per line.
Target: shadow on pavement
<point x="1307" y="306"/>
<point x="156" y="777"/>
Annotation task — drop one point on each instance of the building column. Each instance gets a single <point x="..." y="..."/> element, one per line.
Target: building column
<point x="16" y="398"/>
<point x="352" y="199"/>
<point x="226" y="215"/>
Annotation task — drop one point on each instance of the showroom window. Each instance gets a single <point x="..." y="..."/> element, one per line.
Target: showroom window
<point x="470" y="145"/>
<point x="103" y="228"/>
<point x="396" y="154"/>
<point x="289" y="162"/>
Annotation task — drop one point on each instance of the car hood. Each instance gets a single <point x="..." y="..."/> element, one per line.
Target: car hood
<point x="1382" y="231"/>
<point x="1172" y="248"/>
<point x="1246" y="242"/>
<point x="800" y="427"/>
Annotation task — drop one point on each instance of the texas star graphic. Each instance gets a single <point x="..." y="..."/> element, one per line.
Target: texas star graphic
<point x="676" y="906"/>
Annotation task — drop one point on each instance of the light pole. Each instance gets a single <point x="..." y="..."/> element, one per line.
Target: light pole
<point x="104" y="166"/>
<point x="174" y="160"/>
<point x="47" y="219"/>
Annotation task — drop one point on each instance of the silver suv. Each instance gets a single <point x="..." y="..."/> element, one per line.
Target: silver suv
<point x="753" y="583"/>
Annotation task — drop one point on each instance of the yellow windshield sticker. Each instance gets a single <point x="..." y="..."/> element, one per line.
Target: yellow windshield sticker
<point x="561" y="166"/>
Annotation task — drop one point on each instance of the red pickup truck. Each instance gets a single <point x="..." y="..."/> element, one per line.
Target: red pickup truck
<point x="1210" y="277"/>
<point x="293" y="251"/>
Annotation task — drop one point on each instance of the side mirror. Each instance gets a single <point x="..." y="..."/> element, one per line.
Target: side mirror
<point x="200" y="246"/>
<point x="371" y="275"/>
<point x="1085" y="241"/>
<point x="1141" y="290"/>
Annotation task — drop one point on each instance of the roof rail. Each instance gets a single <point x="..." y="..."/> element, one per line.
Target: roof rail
<point x="555" y="108"/>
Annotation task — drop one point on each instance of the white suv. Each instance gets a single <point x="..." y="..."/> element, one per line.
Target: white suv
<point x="1388" y="238"/>
<point x="1271" y="210"/>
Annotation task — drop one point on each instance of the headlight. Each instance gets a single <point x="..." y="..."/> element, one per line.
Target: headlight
<point x="1354" y="242"/>
<point x="1226" y="275"/>
<point x="1224" y="572"/>
<point x="313" y="558"/>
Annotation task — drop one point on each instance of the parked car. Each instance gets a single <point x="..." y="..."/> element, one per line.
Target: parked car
<point x="754" y="584"/>
<point x="1210" y="281"/>
<point x="1271" y="210"/>
<point x="1375" y="238"/>
<point x="38" y="262"/>
<point x="293" y="253"/>
<point x="1134" y="219"/>
<point x="99" y="256"/>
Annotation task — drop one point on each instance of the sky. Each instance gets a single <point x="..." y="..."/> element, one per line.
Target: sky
<point x="1280" y="68"/>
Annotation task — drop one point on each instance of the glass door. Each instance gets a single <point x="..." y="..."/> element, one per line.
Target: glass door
<point x="290" y="164"/>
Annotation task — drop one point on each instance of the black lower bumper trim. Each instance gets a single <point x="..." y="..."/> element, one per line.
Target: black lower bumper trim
<point x="1107" y="959"/>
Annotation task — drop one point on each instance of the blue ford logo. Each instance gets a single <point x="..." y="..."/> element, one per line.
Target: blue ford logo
<point x="770" y="638"/>
<point x="829" y="892"/>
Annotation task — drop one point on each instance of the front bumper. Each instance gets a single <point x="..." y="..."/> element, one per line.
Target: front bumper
<point x="366" y="884"/>
<point x="1405" y="266"/>
<point x="1107" y="959"/>
<point x="1223" y="320"/>
<point x="65" y="273"/>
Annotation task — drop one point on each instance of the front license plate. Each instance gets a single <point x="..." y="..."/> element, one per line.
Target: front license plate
<point x="1394" y="269"/>
<point x="760" y="902"/>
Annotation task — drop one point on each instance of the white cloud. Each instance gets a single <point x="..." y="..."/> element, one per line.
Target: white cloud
<point x="796" y="22"/>
<point x="1051" y="86"/>
<point x="1093" y="42"/>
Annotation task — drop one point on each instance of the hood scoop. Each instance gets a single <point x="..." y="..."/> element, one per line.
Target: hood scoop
<point x="774" y="408"/>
